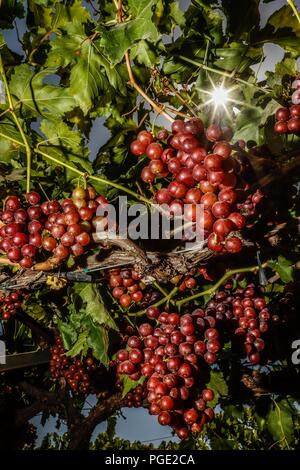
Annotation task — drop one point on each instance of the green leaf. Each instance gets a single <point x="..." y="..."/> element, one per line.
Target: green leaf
<point x="144" y="54"/>
<point x="62" y="156"/>
<point x="284" y="18"/>
<point x="267" y="109"/>
<point x="98" y="341"/>
<point x="247" y="125"/>
<point x="66" y="47"/>
<point x="80" y="346"/>
<point x="60" y="134"/>
<point x="177" y="14"/>
<point x="218" y="443"/>
<point x="233" y="411"/>
<point x="35" y="97"/>
<point x="93" y="306"/>
<point x="55" y="16"/>
<point x="280" y="422"/>
<point x="282" y="29"/>
<point x="118" y="39"/>
<point x="87" y="81"/>
<point x="68" y="333"/>
<point x="9" y="149"/>
<point x="240" y="15"/>
<point x="288" y="66"/>
<point x="9" y="10"/>
<point x="235" y="57"/>
<point x="219" y="386"/>
<point x="129" y="384"/>
<point x="283" y="267"/>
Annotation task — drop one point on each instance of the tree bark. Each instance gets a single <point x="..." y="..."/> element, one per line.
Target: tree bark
<point x="80" y="436"/>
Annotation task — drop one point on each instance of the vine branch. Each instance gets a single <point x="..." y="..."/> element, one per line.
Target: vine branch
<point x="159" y="109"/>
<point x="224" y="278"/>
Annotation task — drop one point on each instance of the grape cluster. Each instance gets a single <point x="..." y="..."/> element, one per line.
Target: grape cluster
<point x="288" y="120"/>
<point x="295" y="98"/>
<point x="249" y="314"/>
<point x="136" y="396"/>
<point x="200" y="169"/>
<point x="171" y="356"/>
<point x="126" y="286"/>
<point x="248" y="207"/>
<point x="10" y="304"/>
<point x="75" y="371"/>
<point x="33" y="228"/>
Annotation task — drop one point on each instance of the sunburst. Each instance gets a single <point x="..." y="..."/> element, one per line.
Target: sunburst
<point x="219" y="96"/>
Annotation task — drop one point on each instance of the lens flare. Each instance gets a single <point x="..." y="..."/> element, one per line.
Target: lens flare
<point x="219" y="96"/>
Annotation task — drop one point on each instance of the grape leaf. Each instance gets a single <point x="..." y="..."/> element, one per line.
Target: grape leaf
<point x="247" y="125"/>
<point x="118" y="39"/>
<point x="80" y="346"/>
<point x="219" y="386"/>
<point x="67" y="332"/>
<point x="9" y="149"/>
<point x="177" y="14"/>
<point x="237" y="21"/>
<point x="94" y="306"/>
<point x="280" y="421"/>
<point x="65" y="47"/>
<point x="144" y="54"/>
<point x="87" y="81"/>
<point x="98" y="341"/>
<point x="62" y="156"/>
<point x="283" y="18"/>
<point x="129" y="384"/>
<point x="55" y="16"/>
<point x="282" y="28"/>
<point x="33" y="96"/>
<point x="9" y="10"/>
<point x="283" y="267"/>
<point x="288" y="66"/>
<point x="218" y="443"/>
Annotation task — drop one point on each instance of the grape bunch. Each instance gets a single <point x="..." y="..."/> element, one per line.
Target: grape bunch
<point x="288" y="120"/>
<point x="75" y="371"/>
<point x="248" y="207"/>
<point x="32" y="229"/>
<point x="295" y="98"/>
<point x="199" y="168"/>
<point x="243" y="316"/>
<point x="172" y="356"/>
<point x="10" y="303"/>
<point x="126" y="286"/>
<point x="250" y="316"/>
<point x="136" y="396"/>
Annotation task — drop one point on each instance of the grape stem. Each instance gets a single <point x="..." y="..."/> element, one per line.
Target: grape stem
<point x="162" y="301"/>
<point x="147" y="98"/>
<point x="7" y="262"/>
<point x="215" y="287"/>
<point x="162" y="290"/>
<point x="81" y="173"/>
<point x="18" y="124"/>
<point x="293" y="7"/>
<point x="87" y="176"/>
<point x="95" y="178"/>
<point x="221" y="72"/>
<point x="132" y="80"/>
